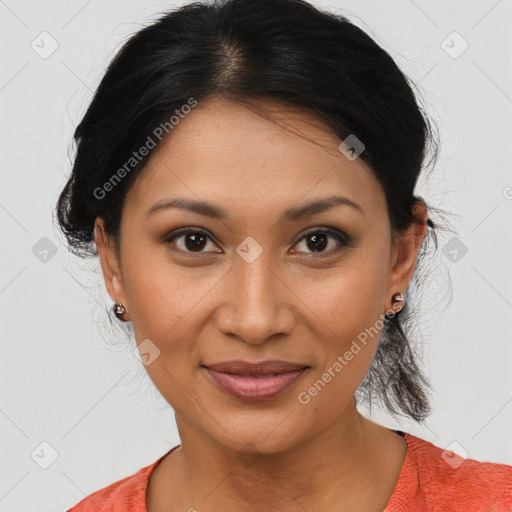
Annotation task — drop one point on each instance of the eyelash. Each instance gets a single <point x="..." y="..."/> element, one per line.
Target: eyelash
<point x="339" y="236"/>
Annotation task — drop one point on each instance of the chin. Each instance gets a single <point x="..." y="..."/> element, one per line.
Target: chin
<point x="266" y="435"/>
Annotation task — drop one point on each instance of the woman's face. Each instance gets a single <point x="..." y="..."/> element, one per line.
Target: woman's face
<point x="270" y="278"/>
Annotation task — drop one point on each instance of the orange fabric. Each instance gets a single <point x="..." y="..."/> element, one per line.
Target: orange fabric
<point x="430" y="480"/>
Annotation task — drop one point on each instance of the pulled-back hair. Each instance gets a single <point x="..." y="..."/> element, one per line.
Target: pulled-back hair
<point x="243" y="50"/>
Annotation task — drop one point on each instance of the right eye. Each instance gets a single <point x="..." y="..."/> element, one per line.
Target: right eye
<point x="192" y="240"/>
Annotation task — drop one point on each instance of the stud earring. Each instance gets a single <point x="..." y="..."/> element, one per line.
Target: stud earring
<point x="119" y="310"/>
<point x="397" y="297"/>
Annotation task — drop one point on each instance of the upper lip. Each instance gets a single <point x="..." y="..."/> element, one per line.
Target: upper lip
<point x="268" y="367"/>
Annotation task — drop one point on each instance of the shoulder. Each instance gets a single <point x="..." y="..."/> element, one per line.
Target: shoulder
<point x="450" y="482"/>
<point x="126" y="494"/>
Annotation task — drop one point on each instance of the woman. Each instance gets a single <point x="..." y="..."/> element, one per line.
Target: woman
<point x="245" y="174"/>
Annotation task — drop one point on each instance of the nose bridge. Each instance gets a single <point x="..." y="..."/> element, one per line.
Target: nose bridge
<point x="255" y="309"/>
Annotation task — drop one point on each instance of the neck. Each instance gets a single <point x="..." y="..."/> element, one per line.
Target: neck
<point x="352" y="464"/>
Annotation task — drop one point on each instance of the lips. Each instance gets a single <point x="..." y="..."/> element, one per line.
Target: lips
<point x="255" y="381"/>
<point x="264" y="368"/>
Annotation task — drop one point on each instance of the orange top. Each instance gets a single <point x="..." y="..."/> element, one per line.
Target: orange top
<point x="431" y="480"/>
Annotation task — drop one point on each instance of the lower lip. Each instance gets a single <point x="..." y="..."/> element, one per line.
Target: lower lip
<point x="253" y="389"/>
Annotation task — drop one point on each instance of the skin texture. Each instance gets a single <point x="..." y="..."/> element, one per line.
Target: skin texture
<point x="209" y="305"/>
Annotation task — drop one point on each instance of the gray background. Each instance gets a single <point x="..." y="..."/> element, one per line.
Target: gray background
<point x="68" y="379"/>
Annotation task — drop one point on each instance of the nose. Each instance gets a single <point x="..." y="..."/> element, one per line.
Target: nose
<point x="258" y="303"/>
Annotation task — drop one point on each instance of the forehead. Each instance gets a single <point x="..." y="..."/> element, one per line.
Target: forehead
<point x="232" y="155"/>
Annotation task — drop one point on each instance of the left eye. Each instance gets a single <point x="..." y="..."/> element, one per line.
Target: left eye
<point x="318" y="241"/>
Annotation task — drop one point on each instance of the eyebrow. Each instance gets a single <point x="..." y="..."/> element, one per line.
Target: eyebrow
<point x="292" y="214"/>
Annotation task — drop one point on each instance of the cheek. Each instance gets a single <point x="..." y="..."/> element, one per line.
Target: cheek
<point x="168" y="306"/>
<point x="162" y="295"/>
<point x="165" y="307"/>
<point x="345" y="310"/>
<point x="344" y="364"/>
<point x="346" y="301"/>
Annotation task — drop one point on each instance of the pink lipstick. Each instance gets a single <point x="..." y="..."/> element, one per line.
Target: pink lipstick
<point x="255" y="381"/>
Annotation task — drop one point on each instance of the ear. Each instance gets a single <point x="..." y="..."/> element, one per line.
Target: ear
<point x="110" y="265"/>
<point x="405" y="252"/>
